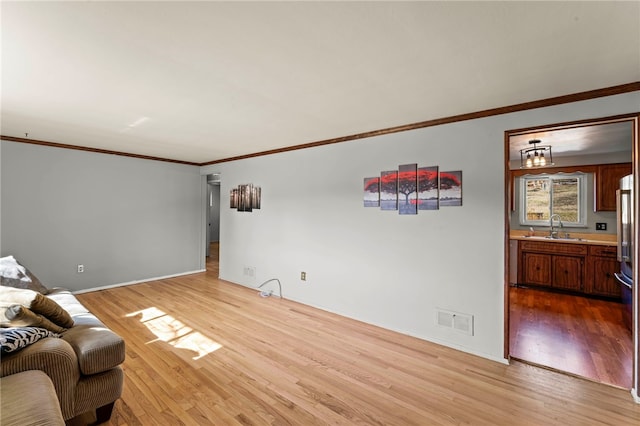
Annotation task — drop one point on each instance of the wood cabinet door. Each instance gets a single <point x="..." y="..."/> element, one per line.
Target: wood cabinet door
<point x="607" y="181"/>
<point x="537" y="268"/>
<point x="567" y="272"/>
<point x="603" y="282"/>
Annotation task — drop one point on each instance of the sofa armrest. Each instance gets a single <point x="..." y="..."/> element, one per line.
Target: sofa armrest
<point x="57" y="359"/>
<point x="29" y="398"/>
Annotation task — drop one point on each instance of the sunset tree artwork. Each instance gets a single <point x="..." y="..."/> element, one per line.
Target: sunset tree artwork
<point x="428" y="188"/>
<point x="408" y="188"/>
<point x="389" y="190"/>
<point x="411" y="188"/>
<point x="372" y="192"/>
<point x="451" y="188"/>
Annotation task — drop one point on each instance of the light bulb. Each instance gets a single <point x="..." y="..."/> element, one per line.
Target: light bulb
<point x="543" y="161"/>
<point x="529" y="163"/>
<point x="536" y="159"/>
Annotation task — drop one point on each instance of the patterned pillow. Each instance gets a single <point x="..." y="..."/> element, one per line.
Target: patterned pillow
<point x="16" y="338"/>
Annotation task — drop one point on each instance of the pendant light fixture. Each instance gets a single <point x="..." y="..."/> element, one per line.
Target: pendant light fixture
<point x="535" y="157"/>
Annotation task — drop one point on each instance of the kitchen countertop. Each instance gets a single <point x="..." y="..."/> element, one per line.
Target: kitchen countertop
<point x="575" y="238"/>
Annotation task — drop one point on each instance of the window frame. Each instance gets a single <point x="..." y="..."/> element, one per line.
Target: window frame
<point x="582" y="198"/>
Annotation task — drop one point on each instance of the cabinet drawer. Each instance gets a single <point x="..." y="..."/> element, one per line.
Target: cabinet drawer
<point x="555" y="248"/>
<point x="603" y="251"/>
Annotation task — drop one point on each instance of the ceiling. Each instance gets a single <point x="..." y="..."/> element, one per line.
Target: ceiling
<point x="615" y="137"/>
<point x="204" y="81"/>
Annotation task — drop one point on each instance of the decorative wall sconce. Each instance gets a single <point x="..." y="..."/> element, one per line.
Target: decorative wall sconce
<point x="245" y="198"/>
<point x="538" y="159"/>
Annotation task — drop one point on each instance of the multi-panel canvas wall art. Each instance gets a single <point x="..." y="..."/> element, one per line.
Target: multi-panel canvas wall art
<point x="233" y="198"/>
<point x="451" y="188"/>
<point x="256" y="197"/>
<point x="389" y="190"/>
<point x="428" y="188"/>
<point x="408" y="189"/>
<point x="245" y="198"/>
<point x="372" y="192"/>
<point x="412" y="188"/>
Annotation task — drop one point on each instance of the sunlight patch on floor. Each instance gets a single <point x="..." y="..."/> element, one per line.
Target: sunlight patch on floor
<point x="172" y="331"/>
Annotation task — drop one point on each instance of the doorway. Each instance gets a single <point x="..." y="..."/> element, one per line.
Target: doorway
<point x="213" y="223"/>
<point x="575" y="331"/>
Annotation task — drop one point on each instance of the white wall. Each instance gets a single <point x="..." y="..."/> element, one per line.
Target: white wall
<point x="0" y="198"/>
<point x="377" y="266"/>
<point x="214" y="213"/>
<point x="124" y="219"/>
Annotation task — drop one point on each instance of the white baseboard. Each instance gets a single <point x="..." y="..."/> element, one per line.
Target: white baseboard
<point x="88" y="290"/>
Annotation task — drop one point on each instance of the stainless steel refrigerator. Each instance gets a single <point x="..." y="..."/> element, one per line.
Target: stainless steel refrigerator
<point x="624" y="212"/>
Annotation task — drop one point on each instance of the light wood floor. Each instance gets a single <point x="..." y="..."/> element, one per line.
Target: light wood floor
<point x="579" y="335"/>
<point x="201" y="351"/>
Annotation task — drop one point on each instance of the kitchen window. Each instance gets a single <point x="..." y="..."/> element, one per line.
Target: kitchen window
<point x="542" y="196"/>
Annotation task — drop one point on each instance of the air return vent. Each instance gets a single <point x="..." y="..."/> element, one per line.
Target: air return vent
<point x="455" y="320"/>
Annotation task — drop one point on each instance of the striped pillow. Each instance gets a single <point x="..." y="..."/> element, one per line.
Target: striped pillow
<point x="16" y="338"/>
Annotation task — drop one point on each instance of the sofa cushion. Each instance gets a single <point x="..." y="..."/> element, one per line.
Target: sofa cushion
<point x="13" y="274"/>
<point x="19" y="316"/>
<point x="16" y="338"/>
<point x="29" y="398"/>
<point x="37" y="302"/>
<point x="68" y="301"/>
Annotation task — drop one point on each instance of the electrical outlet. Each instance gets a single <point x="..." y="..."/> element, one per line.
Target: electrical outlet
<point x="601" y="226"/>
<point x="303" y="276"/>
<point x="80" y="269"/>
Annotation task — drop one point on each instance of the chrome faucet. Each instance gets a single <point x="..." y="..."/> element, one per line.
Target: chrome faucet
<point x="553" y="233"/>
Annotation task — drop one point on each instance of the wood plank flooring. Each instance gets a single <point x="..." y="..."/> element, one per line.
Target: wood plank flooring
<point x="201" y="351"/>
<point x="582" y="336"/>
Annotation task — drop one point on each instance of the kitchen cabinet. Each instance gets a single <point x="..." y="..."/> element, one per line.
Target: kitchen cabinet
<point x="578" y="268"/>
<point x="601" y="265"/>
<point x="567" y="273"/>
<point x="607" y="181"/>
<point x="536" y="269"/>
<point x="552" y="265"/>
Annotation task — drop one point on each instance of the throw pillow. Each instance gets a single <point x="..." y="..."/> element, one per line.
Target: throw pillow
<point x="51" y="310"/>
<point x="13" y="274"/>
<point x="38" y="303"/>
<point x="19" y="316"/>
<point x="13" y="339"/>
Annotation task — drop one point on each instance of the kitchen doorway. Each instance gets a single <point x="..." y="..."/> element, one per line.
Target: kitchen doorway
<point x="556" y="315"/>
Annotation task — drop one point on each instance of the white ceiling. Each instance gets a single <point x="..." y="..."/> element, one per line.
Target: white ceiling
<point x="202" y="81"/>
<point x="616" y="137"/>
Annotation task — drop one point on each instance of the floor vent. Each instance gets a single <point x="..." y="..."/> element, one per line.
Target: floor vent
<point x="455" y="320"/>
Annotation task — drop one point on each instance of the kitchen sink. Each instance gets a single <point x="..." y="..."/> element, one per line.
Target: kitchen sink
<point x="548" y="237"/>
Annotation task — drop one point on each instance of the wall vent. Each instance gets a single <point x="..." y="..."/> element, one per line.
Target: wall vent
<point x="455" y="320"/>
